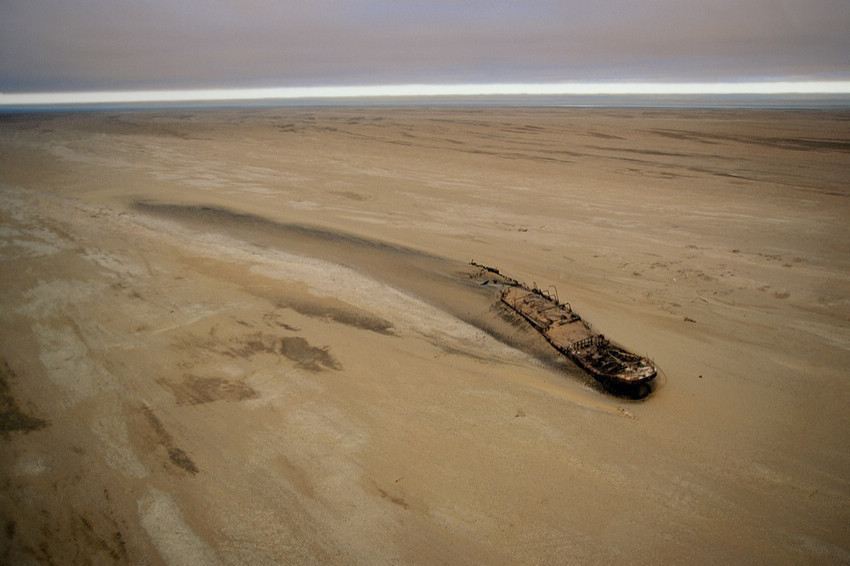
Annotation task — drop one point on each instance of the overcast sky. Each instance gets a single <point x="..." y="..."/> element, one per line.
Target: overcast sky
<point x="61" y="45"/>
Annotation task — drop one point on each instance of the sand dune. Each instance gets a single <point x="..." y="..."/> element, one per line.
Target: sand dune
<point x="252" y="336"/>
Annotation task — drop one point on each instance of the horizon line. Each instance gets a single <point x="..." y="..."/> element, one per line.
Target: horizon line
<point x="425" y="90"/>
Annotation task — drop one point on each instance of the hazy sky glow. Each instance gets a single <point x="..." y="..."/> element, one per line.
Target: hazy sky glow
<point x="76" y="46"/>
<point x="419" y="90"/>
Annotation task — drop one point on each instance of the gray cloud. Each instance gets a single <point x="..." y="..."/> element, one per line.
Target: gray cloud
<point x="86" y="44"/>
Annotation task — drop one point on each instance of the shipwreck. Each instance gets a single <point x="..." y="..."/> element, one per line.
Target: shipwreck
<point x="613" y="366"/>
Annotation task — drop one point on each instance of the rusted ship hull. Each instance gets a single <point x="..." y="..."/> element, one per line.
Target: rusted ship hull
<point x="564" y="329"/>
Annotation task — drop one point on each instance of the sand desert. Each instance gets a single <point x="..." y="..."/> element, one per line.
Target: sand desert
<point x="250" y="336"/>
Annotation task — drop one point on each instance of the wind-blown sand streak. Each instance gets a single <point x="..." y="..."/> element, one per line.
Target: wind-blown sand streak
<point x="447" y="284"/>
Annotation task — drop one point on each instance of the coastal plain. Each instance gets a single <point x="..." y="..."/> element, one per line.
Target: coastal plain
<point x="253" y="336"/>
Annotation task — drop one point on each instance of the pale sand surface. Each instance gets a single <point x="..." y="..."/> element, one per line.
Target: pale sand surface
<point x="278" y="356"/>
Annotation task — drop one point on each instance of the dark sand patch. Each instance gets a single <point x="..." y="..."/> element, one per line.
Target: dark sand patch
<point x="12" y="418"/>
<point x="306" y="356"/>
<point x="247" y="346"/>
<point x="394" y="499"/>
<point x="164" y="439"/>
<point x="349" y="317"/>
<point x="195" y="390"/>
<point x="351" y="195"/>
